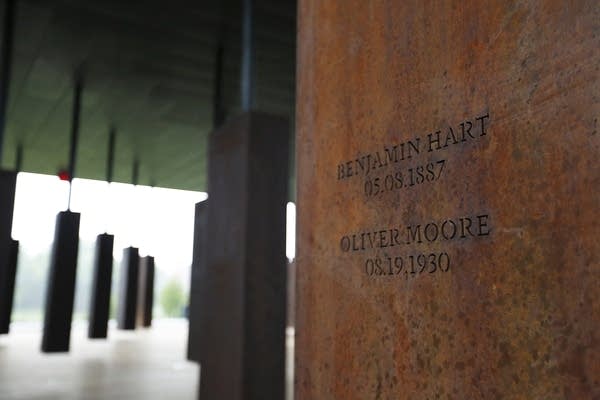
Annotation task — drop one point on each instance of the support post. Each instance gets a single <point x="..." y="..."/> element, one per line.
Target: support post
<point x="218" y="108"/>
<point x="110" y="156"/>
<point x="247" y="71"/>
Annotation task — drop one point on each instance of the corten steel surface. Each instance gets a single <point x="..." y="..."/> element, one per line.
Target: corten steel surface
<point x="128" y="289"/>
<point x="242" y="280"/>
<point x="198" y="257"/>
<point x="145" y="291"/>
<point x="7" y="291"/>
<point x="8" y="182"/>
<point x="101" y="287"/>
<point x="500" y="214"/>
<point x="61" y="284"/>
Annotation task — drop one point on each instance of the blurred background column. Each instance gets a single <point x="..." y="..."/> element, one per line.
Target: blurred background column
<point x="60" y="292"/>
<point x="241" y="320"/>
<point x="146" y="291"/>
<point x="8" y="179"/>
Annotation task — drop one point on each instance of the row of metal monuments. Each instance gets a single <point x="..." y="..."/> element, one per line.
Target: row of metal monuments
<point x="136" y="286"/>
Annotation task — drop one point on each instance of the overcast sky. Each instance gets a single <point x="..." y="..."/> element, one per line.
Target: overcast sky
<point x="158" y="221"/>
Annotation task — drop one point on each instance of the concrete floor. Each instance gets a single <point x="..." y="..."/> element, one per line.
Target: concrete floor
<point x="145" y="364"/>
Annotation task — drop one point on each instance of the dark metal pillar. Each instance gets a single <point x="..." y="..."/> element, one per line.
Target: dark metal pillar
<point x="63" y="268"/>
<point x="8" y="181"/>
<point x="110" y="159"/>
<point x="198" y="260"/>
<point x="128" y="289"/>
<point x="7" y="291"/>
<point x="9" y="254"/>
<point x="61" y="284"/>
<point x="101" y="285"/>
<point x="103" y="266"/>
<point x="146" y="291"/>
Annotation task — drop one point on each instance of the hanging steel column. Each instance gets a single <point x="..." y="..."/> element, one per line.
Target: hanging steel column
<point x="8" y="179"/>
<point x="8" y="273"/>
<point x="103" y="265"/>
<point x="146" y="291"/>
<point x="128" y="289"/>
<point x="63" y="268"/>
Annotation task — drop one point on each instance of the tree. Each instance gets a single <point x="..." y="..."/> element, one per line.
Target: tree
<point x="172" y="299"/>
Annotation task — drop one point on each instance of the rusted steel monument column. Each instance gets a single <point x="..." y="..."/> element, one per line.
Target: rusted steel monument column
<point x="60" y="292"/>
<point x="240" y="327"/>
<point x="146" y="291"/>
<point x="448" y="202"/>
<point x="128" y="289"/>
<point x="61" y="284"/>
<point x="8" y="247"/>
<point x="103" y="264"/>
<point x="198" y="260"/>
<point x="101" y="287"/>
<point x="8" y="179"/>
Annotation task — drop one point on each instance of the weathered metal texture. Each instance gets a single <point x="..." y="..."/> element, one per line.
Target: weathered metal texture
<point x="61" y="284"/>
<point x="242" y="281"/>
<point x="198" y="258"/>
<point x="7" y="290"/>
<point x="8" y="182"/>
<point x="145" y="291"/>
<point x="101" y="287"/>
<point x="128" y="289"/>
<point x="507" y="202"/>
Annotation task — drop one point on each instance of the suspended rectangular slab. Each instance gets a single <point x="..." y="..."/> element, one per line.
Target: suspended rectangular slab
<point x="448" y="202"/>
<point x="242" y="280"/>
<point x="7" y="291"/>
<point x="128" y="289"/>
<point x="60" y="293"/>
<point x="145" y="291"/>
<point x="8" y="182"/>
<point x="101" y="287"/>
<point x="198" y="258"/>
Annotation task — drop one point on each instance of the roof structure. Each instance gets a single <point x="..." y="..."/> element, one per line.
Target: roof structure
<point x="149" y="71"/>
